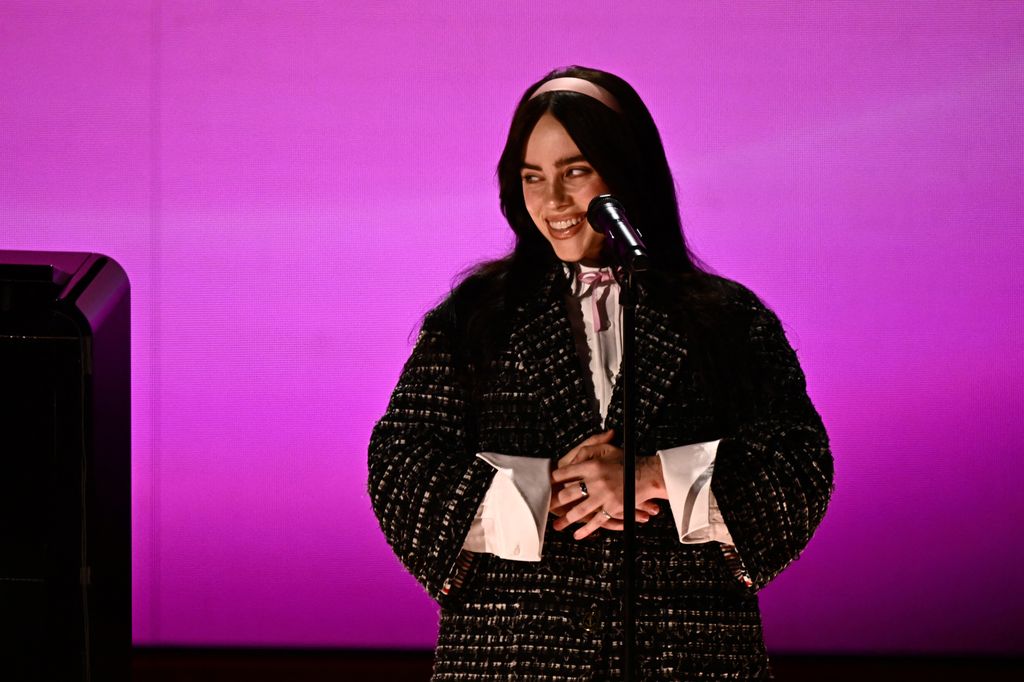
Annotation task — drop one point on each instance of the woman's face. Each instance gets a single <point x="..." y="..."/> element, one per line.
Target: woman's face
<point x="558" y="184"/>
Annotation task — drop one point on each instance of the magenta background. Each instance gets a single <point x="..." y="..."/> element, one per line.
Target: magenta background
<point x="292" y="184"/>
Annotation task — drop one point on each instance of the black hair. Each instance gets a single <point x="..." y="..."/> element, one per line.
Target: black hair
<point x="625" y="149"/>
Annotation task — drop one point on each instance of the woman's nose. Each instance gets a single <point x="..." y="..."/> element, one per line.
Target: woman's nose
<point x="556" y="195"/>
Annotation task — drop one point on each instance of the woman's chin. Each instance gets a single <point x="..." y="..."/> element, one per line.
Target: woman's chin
<point x="581" y="257"/>
<point x="593" y="261"/>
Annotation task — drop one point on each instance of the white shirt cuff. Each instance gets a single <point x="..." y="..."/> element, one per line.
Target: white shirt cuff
<point x="687" y="471"/>
<point x="512" y="517"/>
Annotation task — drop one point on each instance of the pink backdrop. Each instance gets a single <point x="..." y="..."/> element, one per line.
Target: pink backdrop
<point x="290" y="185"/>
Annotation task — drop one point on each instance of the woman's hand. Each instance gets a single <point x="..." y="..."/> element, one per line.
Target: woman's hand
<point x="598" y="464"/>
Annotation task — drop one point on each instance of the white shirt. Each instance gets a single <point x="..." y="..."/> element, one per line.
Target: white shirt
<point x="512" y="517"/>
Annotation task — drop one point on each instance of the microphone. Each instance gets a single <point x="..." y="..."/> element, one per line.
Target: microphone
<point x="606" y="215"/>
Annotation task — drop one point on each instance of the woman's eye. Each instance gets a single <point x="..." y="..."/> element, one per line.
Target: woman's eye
<point x="577" y="172"/>
<point x="529" y="179"/>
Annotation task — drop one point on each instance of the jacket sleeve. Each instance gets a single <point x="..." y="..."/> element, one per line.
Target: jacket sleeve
<point x="773" y="475"/>
<point x="425" y="482"/>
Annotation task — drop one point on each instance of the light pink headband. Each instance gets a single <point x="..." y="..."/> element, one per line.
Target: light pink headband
<point x="582" y="86"/>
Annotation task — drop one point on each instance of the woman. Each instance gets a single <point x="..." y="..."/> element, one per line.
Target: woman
<point x="508" y="409"/>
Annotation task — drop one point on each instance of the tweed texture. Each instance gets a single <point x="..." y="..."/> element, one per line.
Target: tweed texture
<point x="559" y="619"/>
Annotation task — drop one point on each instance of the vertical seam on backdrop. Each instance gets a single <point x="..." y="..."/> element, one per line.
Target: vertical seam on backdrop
<point x="155" y="226"/>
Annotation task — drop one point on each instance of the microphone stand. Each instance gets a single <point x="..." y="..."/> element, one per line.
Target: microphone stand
<point x="606" y="215"/>
<point x="627" y="299"/>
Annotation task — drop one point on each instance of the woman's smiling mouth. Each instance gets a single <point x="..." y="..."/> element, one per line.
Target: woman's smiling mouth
<point x="561" y="228"/>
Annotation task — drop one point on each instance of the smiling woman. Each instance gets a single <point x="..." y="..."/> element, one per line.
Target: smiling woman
<point x="496" y="473"/>
<point x="558" y="184"/>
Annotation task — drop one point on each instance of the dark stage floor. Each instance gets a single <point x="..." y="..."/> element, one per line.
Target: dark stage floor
<point x="263" y="665"/>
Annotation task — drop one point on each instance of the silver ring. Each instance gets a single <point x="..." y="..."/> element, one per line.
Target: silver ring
<point x="606" y="514"/>
<point x="583" y="489"/>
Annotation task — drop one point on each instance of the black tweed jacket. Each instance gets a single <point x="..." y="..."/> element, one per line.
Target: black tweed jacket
<point x="559" y="619"/>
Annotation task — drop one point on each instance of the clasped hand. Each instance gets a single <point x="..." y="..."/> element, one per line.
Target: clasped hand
<point x="598" y="465"/>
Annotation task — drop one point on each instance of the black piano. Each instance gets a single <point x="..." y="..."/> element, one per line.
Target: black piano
<point x="65" y="468"/>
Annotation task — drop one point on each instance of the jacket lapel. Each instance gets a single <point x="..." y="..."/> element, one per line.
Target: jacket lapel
<point x="543" y="344"/>
<point x="660" y="350"/>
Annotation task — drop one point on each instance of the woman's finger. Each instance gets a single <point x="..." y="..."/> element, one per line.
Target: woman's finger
<point x="596" y="439"/>
<point x="649" y="506"/>
<point x="609" y="524"/>
<point x="590" y="526"/>
<point x="567" y="494"/>
<point x="592" y="471"/>
<point x="582" y="510"/>
<point x="573" y="472"/>
<point x="562" y="522"/>
<point x="620" y="525"/>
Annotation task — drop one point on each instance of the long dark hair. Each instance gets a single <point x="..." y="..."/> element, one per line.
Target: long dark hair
<point x="625" y="149"/>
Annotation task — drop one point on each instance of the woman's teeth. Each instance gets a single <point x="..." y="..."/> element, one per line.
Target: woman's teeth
<point x="565" y="224"/>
